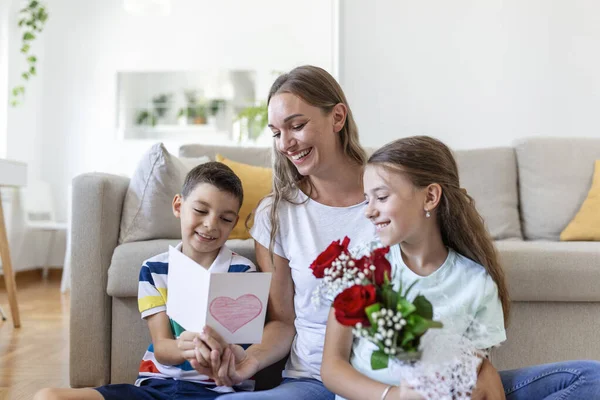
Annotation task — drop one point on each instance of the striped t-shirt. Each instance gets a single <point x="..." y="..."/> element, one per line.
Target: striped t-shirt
<point x="152" y="299"/>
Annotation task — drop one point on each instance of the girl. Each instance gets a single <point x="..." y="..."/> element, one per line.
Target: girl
<point x="438" y="239"/>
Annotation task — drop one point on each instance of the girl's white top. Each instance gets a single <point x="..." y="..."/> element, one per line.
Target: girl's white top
<point x="464" y="298"/>
<point x="305" y="230"/>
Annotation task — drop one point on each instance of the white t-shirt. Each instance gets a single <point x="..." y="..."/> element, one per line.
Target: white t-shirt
<point x="305" y="230"/>
<point x="464" y="298"/>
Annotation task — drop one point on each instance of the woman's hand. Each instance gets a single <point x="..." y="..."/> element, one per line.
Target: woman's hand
<point x="235" y="366"/>
<point x="201" y="349"/>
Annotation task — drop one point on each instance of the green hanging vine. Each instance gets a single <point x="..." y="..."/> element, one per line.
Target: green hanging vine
<point x="32" y="19"/>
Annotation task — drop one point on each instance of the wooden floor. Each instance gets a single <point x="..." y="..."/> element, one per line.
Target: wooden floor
<point x="36" y="355"/>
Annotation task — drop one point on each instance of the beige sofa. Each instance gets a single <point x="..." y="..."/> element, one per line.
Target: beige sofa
<point x="527" y="195"/>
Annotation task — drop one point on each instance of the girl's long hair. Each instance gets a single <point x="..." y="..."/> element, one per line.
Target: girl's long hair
<point x="425" y="160"/>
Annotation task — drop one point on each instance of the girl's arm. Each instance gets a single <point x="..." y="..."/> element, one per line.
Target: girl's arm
<point x="338" y="374"/>
<point x="489" y="385"/>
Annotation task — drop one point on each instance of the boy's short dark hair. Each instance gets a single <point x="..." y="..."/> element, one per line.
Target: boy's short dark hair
<point x="216" y="174"/>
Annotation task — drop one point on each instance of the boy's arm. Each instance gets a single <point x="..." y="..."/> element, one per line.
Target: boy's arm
<point x="152" y="306"/>
<point x="170" y="351"/>
<point x="166" y="350"/>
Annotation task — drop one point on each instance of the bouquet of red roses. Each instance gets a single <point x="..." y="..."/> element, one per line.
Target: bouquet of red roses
<point x="364" y="298"/>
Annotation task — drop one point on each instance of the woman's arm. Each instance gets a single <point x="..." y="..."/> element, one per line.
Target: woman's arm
<point x="489" y="385"/>
<point x="338" y="374"/>
<point x="279" y="331"/>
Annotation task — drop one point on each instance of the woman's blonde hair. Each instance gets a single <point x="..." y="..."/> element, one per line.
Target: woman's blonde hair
<point x="425" y="160"/>
<point x="316" y="87"/>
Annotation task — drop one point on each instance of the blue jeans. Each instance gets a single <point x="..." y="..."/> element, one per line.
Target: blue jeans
<point x="565" y="380"/>
<point x="290" y="388"/>
<point x="158" y="389"/>
<point x="577" y="380"/>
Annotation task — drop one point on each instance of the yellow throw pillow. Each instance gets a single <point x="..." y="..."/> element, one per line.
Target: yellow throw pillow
<point x="256" y="182"/>
<point x="586" y="224"/>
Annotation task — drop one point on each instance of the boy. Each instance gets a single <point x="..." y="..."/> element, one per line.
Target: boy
<point x="208" y="209"/>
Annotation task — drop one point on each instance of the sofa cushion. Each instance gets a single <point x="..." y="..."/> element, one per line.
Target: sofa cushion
<point x="258" y="156"/>
<point x="147" y="206"/>
<point x="586" y="224"/>
<point x="551" y="271"/>
<point x="256" y="182"/>
<point x="555" y="175"/>
<point x="490" y="177"/>
<point x="128" y="258"/>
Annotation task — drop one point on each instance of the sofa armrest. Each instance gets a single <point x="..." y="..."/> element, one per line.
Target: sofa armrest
<point x="97" y="205"/>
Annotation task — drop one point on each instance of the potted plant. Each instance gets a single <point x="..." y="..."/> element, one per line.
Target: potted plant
<point x="182" y="116"/>
<point x="215" y="107"/>
<point x="162" y="104"/>
<point x="145" y="117"/>
<point x="195" y="110"/>
<point x="253" y="120"/>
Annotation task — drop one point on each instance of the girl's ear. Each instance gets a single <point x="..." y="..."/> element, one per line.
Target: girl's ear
<point x="177" y="200"/>
<point x="339" y="113"/>
<point x="433" y="195"/>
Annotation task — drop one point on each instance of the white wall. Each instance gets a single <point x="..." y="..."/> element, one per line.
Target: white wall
<point x="472" y="73"/>
<point x="4" y="13"/>
<point x="72" y="123"/>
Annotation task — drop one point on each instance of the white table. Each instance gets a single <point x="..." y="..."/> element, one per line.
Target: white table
<point x="13" y="174"/>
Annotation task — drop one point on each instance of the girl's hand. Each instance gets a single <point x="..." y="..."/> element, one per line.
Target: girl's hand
<point x="489" y="385"/>
<point x="483" y="394"/>
<point x="404" y="392"/>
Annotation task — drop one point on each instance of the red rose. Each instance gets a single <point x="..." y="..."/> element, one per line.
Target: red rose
<point x="377" y="259"/>
<point x="351" y="303"/>
<point x="327" y="257"/>
<point x="382" y="265"/>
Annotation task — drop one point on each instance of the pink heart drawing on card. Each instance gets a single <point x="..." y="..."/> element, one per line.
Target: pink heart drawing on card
<point x="233" y="314"/>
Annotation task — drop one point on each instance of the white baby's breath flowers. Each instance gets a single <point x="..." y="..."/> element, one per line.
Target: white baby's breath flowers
<point x="383" y="335"/>
<point x="342" y="274"/>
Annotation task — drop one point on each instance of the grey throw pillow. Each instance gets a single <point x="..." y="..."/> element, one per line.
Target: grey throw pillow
<point x="147" y="212"/>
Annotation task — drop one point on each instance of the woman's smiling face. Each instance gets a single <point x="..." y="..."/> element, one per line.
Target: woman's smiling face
<point x="304" y="134"/>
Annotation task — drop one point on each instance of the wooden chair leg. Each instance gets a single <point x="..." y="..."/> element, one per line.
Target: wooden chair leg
<point x="9" y="277"/>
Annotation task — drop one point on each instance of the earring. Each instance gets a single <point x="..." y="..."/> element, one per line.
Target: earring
<point x="427" y="214"/>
